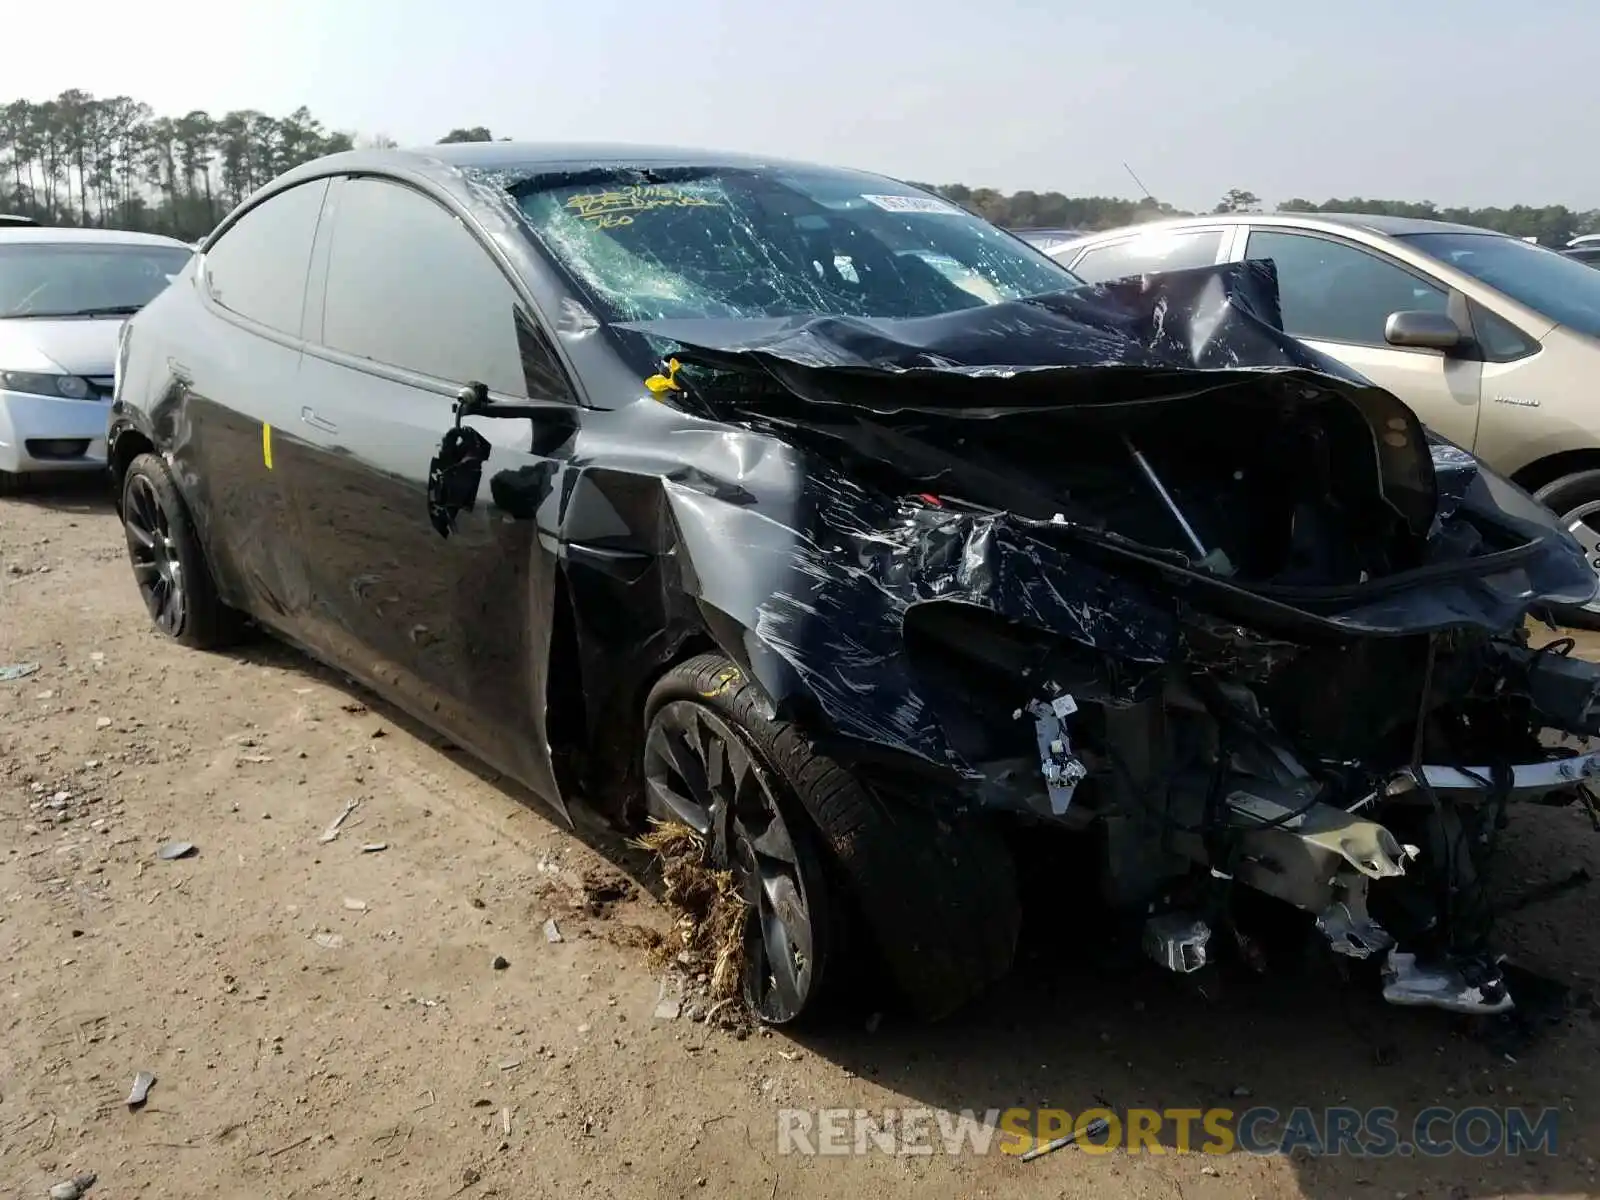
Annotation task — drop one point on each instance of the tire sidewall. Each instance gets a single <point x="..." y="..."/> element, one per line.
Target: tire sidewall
<point x="1561" y="496"/>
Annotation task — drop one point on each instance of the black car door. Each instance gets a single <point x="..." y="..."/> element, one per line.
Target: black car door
<point x="452" y="626"/>
<point x="238" y="364"/>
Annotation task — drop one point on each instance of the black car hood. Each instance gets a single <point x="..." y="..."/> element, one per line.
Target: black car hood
<point x="906" y="393"/>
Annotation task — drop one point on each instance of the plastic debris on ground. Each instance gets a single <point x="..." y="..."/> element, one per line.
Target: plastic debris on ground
<point x="140" y="1092"/>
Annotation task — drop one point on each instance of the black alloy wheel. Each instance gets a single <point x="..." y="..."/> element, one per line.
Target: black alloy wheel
<point x="157" y="565"/>
<point x="169" y="566"/>
<point x="700" y="771"/>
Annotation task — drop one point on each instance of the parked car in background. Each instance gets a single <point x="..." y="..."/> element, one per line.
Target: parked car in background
<point x="1048" y="239"/>
<point x="803" y="509"/>
<point x="1586" y="252"/>
<point x="64" y="293"/>
<point x="1495" y="342"/>
<point x="16" y="221"/>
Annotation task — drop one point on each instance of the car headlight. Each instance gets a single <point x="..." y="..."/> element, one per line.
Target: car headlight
<point x="72" y="387"/>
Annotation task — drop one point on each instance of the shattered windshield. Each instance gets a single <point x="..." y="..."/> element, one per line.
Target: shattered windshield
<point x="721" y="243"/>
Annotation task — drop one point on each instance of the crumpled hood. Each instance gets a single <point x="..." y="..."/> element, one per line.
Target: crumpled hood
<point x="76" y="345"/>
<point x="915" y="394"/>
<point x="1164" y="338"/>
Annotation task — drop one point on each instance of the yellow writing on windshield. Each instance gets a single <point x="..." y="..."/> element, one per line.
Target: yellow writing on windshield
<point x="610" y="209"/>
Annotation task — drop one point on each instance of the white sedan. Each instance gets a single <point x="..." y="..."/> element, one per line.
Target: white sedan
<point x="64" y="294"/>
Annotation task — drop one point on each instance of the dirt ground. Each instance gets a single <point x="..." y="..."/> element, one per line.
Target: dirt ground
<point x="326" y="1018"/>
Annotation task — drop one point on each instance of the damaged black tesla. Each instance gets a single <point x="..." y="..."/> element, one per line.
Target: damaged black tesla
<point x="804" y="509"/>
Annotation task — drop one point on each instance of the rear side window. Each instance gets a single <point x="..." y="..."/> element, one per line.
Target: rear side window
<point x="1149" y="252"/>
<point x="410" y="287"/>
<point x="258" y="267"/>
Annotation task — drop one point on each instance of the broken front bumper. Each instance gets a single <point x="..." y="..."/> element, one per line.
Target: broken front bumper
<point x="1322" y="859"/>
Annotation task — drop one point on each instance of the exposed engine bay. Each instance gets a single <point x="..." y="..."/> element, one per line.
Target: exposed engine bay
<point x="1178" y="583"/>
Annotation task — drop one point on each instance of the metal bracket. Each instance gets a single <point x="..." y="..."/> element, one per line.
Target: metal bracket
<point x="1062" y="769"/>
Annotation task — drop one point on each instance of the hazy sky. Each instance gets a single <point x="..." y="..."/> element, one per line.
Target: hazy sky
<point x="1456" y="101"/>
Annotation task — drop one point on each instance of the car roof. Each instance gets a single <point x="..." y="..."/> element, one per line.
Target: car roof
<point x="1371" y="222"/>
<point x="1393" y="226"/>
<point x="536" y="157"/>
<point x="59" y="235"/>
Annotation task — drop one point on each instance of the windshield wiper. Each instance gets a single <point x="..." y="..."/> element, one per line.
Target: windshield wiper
<point x="109" y="310"/>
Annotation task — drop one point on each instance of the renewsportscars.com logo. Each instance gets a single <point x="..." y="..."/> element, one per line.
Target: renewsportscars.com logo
<point x="1370" y="1133"/>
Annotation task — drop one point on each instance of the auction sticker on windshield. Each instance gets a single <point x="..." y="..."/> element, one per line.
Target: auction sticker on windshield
<point x="912" y="204"/>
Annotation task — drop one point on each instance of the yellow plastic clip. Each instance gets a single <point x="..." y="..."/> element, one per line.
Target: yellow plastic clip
<point x="665" y="383"/>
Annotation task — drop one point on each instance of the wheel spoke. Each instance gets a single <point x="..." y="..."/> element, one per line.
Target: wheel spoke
<point x="144" y="506"/>
<point x="780" y="960"/>
<point x="682" y="760"/>
<point x="146" y="572"/>
<point x="172" y="606"/>
<point x="152" y="598"/>
<point x="782" y="896"/>
<point x="138" y="534"/>
<point x="717" y="767"/>
<point x="770" y="841"/>
<point x="1584" y="534"/>
<point x="681" y="807"/>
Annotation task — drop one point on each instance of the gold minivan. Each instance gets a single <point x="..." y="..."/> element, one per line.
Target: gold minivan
<point x="1495" y="342"/>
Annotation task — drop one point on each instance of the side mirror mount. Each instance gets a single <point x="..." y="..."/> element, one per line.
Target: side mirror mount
<point x="473" y="400"/>
<point x="1423" y="330"/>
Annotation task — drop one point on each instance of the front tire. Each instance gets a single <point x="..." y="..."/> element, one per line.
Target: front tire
<point x="168" y="564"/>
<point x="1575" y="499"/>
<point x="938" y="892"/>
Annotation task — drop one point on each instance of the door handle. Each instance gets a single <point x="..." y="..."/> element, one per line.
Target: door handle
<point x="309" y="416"/>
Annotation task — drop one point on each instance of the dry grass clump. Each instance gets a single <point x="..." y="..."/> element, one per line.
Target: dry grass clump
<point x="710" y="927"/>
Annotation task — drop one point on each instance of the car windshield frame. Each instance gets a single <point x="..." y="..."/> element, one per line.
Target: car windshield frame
<point x="591" y="224"/>
<point x="1559" y="288"/>
<point x="91" y="293"/>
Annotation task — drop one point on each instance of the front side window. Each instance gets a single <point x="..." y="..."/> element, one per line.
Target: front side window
<point x="1551" y="284"/>
<point x="1332" y="291"/>
<point x="83" y="279"/>
<point x="715" y="242"/>
<point x="1149" y="252"/>
<point x="410" y="287"/>
<point x="258" y="266"/>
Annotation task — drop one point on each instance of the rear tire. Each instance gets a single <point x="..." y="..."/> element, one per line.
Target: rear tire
<point x="1575" y="499"/>
<point x="169" y="566"/>
<point x="937" y="891"/>
<point x="12" y="484"/>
